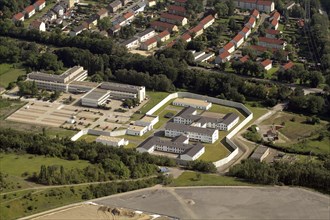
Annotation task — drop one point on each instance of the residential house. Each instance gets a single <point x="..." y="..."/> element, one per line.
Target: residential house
<point x="267" y="64"/>
<point x="180" y="2"/>
<point x="275" y="24"/>
<point x="114" y="6"/>
<point x="18" y="17"/>
<point x="251" y="23"/>
<point x="140" y="7"/>
<point x="230" y="47"/>
<point x="246" y="31"/>
<point x="38" y="25"/>
<point x="132" y="43"/>
<point x="204" y="57"/>
<point x="223" y="57"/>
<point x="177" y="10"/>
<point x="102" y="13"/>
<point x="186" y="37"/>
<point x="149" y="44"/>
<point x="271" y="33"/>
<point x="196" y="31"/>
<point x="207" y="21"/>
<point x="287" y="66"/>
<point x="173" y="19"/>
<point x="145" y="35"/>
<point x="59" y="10"/>
<point x="238" y="40"/>
<point x="161" y="26"/>
<point x="129" y="17"/>
<point x="39" y="5"/>
<point x="272" y="43"/>
<point x="124" y="2"/>
<point x="114" y="29"/>
<point x="244" y="59"/>
<point x="255" y="13"/>
<point x="49" y="16"/>
<point x="77" y="30"/>
<point x="92" y="21"/>
<point x="266" y="6"/>
<point x="29" y="11"/>
<point x="163" y="36"/>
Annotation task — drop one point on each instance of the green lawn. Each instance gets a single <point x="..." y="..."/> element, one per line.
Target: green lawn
<point x="217" y="150"/>
<point x="190" y="179"/>
<point x="88" y="138"/>
<point x="270" y="73"/>
<point x="15" y="165"/>
<point x="225" y="110"/>
<point x="162" y="119"/>
<point x="8" y="74"/>
<point x="154" y="99"/>
<point x="7" y="107"/>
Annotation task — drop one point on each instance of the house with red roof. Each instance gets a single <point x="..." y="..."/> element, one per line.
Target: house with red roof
<point x="38" y="25"/>
<point x="238" y="40"/>
<point x="163" y="36"/>
<point x="18" y="17"/>
<point x="255" y="13"/>
<point x="246" y="31"/>
<point x="186" y="37"/>
<point x="230" y="47"/>
<point x="39" y="5"/>
<point x="173" y="19"/>
<point x="207" y="21"/>
<point x="177" y="10"/>
<point x="272" y="43"/>
<point x="261" y="5"/>
<point x="180" y="2"/>
<point x="29" y="11"/>
<point x="288" y="65"/>
<point x="161" y="26"/>
<point x="274" y="23"/>
<point x="223" y="57"/>
<point x="267" y="64"/>
<point x="271" y="33"/>
<point x="114" y="29"/>
<point x="196" y="31"/>
<point x="251" y="22"/>
<point x="244" y="59"/>
<point x="149" y="44"/>
<point x="129" y="17"/>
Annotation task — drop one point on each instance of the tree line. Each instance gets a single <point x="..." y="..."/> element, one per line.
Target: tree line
<point x="308" y="174"/>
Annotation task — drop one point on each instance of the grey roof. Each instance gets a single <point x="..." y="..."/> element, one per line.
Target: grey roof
<point x="96" y="94"/>
<point x="45" y="77"/>
<point x="181" y="138"/>
<point x="186" y="128"/>
<point x="189" y="149"/>
<point x="259" y="152"/>
<point x="130" y="41"/>
<point x="143" y="33"/>
<point x="120" y="87"/>
<point x="115" y="4"/>
<point x="229" y="118"/>
<point x="57" y="8"/>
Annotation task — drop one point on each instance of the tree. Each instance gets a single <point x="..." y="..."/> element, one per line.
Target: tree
<point x="104" y="24"/>
<point x="231" y="7"/>
<point x="222" y="9"/>
<point x="315" y="79"/>
<point x="315" y="104"/>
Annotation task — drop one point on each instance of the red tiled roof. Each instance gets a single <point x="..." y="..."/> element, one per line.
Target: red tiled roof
<point x="163" y="34"/>
<point x="224" y="54"/>
<point x="276" y="15"/>
<point x="244" y="59"/>
<point x="271" y="40"/>
<point x="176" y="8"/>
<point x="35" y="24"/>
<point x="267" y="3"/>
<point x="207" y="19"/>
<point x="102" y="11"/>
<point x="245" y="29"/>
<point x="39" y="2"/>
<point x="255" y="12"/>
<point x="288" y="65"/>
<point x="162" y="24"/>
<point x="171" y="16"/>
<point x="186" y="37"/>
<point x="238" y="37"/>
<point x="29" y="8"/>
<point x="196" y="29"/>
<point x="170" y="44"/>
<point x="272" y="31"/>
<point x="150" y="41"/>
<point x="252" y="20"/>
<point x="18" y="16"/>
<point x="128" y="15"/>
<point x="229" y="46"/>
<point x="266" y="62"/>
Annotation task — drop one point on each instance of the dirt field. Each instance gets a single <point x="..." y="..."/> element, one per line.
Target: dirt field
<point x="227" y="202"/>
<point x="89" y="211"/>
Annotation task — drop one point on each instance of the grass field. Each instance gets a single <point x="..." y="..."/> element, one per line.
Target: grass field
<point x="215" y="151"/>
<point x="8" y="74"/>
<point x="88" y="138"/>
<point x="37" y="15"/>
<point x="225" y="110"/>
<point x="190" y="179"/>
<point x="15" y="165"/>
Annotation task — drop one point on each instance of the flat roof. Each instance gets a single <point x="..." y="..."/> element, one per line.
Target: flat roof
<point x="189" y="101"/>
<point x="108" y="138"/>
<point x="136" y="128"/>
<point x="259" y="152"/>
<point x="120" y="87"/>
<point x="148" y="118"/>
<point x="84" y="83"/>
<point x="96" y="94"/>
<point x="188" y="128"/>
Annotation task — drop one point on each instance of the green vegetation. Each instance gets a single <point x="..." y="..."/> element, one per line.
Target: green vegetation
<point x="225" y="110"/>
<point x="163" y="119"/>
<point x="9" y="73"/>
<point x="201" y="179"/>
<point x="37" y="15"/>
<point x="215" y="151"/>
<point x="88" y="138"/>
<point x="7" y="107"/>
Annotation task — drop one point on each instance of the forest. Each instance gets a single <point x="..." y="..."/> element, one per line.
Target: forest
<point x="314" y="175"/>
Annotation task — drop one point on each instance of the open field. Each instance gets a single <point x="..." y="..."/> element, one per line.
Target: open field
<point x="225" y="110"/>
<point x="190" y="179"/>
<point x="88" y="138"/>
<point x="215" y="151"/>
<point x="226" y="202"/>
<point x="8" y="74"/>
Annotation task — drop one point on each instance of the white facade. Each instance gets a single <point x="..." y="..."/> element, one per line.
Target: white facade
<point x="199" y="104"/>
<point x="112" y="141"/>
<point x="135" y="130"/>
<point x="148" y="121"/>
<point x="194" y="157"/>
<point x="95" y="98"/>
